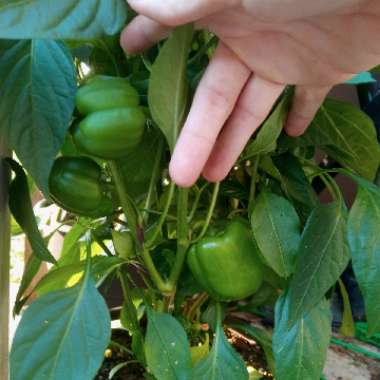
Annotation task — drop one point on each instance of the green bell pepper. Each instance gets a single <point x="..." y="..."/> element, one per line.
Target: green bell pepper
<point x="103" y="93"/>
<point x="227" y="266"/>
<point x="110" y="134"/>
<point x="75" y="184"/>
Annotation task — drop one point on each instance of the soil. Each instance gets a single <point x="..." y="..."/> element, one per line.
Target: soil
<point x="115" y="356"/>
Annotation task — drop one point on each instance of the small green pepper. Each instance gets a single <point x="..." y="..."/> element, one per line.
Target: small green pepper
<point x="75" y="184"/>
<point x="103" y="93"/>
<point x="227" y="266"/>
<point x="123" y="244"/>
<point x="110" y="134"/>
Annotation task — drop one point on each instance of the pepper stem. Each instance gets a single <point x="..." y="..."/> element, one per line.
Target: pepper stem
<point x="136" y="230"/>
<point x="182" y="236"/>
<point x="252" y="190"/>
<point x="210" y="212"/>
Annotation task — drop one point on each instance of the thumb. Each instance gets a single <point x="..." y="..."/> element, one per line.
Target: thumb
<point x="177" y="12"/>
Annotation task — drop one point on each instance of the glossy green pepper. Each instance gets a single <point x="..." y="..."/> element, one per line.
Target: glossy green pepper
<point x="110" y="134"/>
<point x="123" y="244"/>
<point x="75" y="184"/>
<point x="103" y="93"/>
<point x="227" y="266"/>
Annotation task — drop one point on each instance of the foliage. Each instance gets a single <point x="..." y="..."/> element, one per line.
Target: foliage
<point x="177" y="329"/>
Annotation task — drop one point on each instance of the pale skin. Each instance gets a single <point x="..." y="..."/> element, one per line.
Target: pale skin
<point x="264" y="46"/>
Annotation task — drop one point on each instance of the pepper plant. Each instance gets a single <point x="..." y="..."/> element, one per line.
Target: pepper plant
<point x="93" y="130"/>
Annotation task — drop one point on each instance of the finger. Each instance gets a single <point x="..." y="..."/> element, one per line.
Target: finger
<point x="253" y="107"/>
<point x="141" y="33"/>
<point x="306" y="103"/>
<point x="213" y="103"/>
<point x="176" y="12"/>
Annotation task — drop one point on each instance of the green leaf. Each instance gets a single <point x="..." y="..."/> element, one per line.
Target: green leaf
<point x="348" y="325"/>
<point x="168" y="95"/>
<point x="65" y="19"/>
<point x="364" y="239"/>
<point x="167" y="348"/>
<point x="62" y="336"/>
<point x="20" y="205"/>
<point x="31" y="269"/>
<point x="138" y="165"/>
<point x="69" y="275"/>
<point x="347" y="135"/>
<point x="263" y="338"/>
<point x="276" y="228"/>
<point x="295" y="184"/>
<point x="15" y="228"/>
<point x="266" y="138"/>
<point x="300" y="351"/>
<point x="200" y="351"/>
<point x="38" y="85"/>
<point x="322" y="257"/>
<point x="223" y="362"/>
<point x="70" y="252"/>
<point x="267" y="165"/>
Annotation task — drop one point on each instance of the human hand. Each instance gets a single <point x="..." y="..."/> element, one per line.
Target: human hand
<point x="265" y="45"/>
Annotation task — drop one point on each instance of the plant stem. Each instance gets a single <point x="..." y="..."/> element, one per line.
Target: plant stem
<point x="210" y="211"/>
<point x="199" y="301"/>
<point x="163" y="216"/>
<point x="106" y="49"/>
<point x="332" y="187"/>
<point x="163" y="286"/>
<point x="196" y="201"/>
<point x="102" y="245"/>
<point x="153" y="180"/>
<point x="121" y="347"/>
<point x="132" y="313"/>
<point x="252" y="190"/>
<point x="136" y="230"/>
<point x="219" y="315"/>
<point x="336" y="188"/>
<point x="5" y="235"/>
<point x="125" y="201"/>
<point x="182" y="236"/>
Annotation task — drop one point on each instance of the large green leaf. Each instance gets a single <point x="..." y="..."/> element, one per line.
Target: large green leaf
<point x="276" y="228"/>
<point x="266" y="138"/>
<point x="222" y="363"/>
<point x="167" y="348"/>
<point x="168" y="89"/>
<point x="71" y="250"/>
<point x="364" y="239"/>
<point x="21" y="207"/>
<point x="63" y="19"/>
<point x="295" y="184"/>
<point x="62" y="336"/>
<point x="69" y="275"/>
<point x="300" y="351"/>
<point x="37" y="86"/>
<point x="347" y="135"/>
<point x="322" y="257"/>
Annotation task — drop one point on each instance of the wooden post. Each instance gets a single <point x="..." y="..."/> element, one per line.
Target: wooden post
<point x="5" y="237"/>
